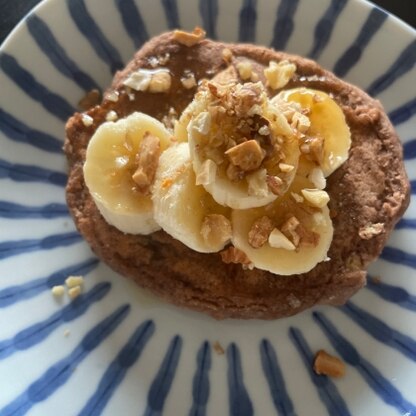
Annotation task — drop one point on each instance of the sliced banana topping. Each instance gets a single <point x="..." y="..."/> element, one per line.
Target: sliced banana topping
<point x="120" y="167"/>
<point x="326" y="137"/>
<point x="253" y="147"/>
<point x="185" y="210"/>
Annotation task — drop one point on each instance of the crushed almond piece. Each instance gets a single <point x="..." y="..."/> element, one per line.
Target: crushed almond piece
<point x="245" y="69"/>
<point x="72" y="281"/>
<point x="111" y="116"/>
<point x="74" y="292"/>
<point x="87" y="120"/>
<point x="247" y="155"/>
<point x="279" y="74"/>
<point x="300" y="122"/>
<point x="58" y="291"/>
<point x="257" y="184"/>
<point x="160" y="82"/>
<point x="202" y="123"/>
<point x="371" y="230"/>
<point x="189" y="38"/>
<point x="299" y="199"/>
<point x="147" y="161"/>
<point x="227" y="55"/>
<point x="138" y="80"/>
<point x="284" y="167"/>
<point x="234" y="255"/>
<point x="328" y="365"/>
<point x="188" y="81"/>
<point x="164" y="59"/>
<point x="207" y="173"/>
<point x="275" y="184"/>
<point x="216" y="228"/>
<point x="316" y="197"/>
<point x="90" y="99"/>
<point x="289" y="230"/>
<point x="278" y="240"/>
<point x="316" y="176"/>
<point x="112" y="96"/>
<point x="314" y="148"/>
<point x="260" y="231"/>
<point x="264" y="130"/>
<point x="218" y="348"/>
<point x="308" y="238"/>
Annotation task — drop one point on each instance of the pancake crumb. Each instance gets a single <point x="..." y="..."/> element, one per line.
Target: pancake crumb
<point x="328" y="365"/>
<point x="218" y="348"/>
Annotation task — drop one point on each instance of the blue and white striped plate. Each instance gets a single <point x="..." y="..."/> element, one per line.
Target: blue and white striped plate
<point x="116" y="350"/>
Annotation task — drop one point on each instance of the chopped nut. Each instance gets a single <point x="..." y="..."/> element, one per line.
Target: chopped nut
<point x="279" y="74"/>
<point x="300" y="122"/>
<point x="74" y="292"/>
<point x="164" y="59"/>
<point x="278" y="240"/>
<point x="216" y="229"/>
<point x="202" y="123"/>
<point x="87" y="120"/>
<point x="264" y="130"/>
<point x="66" y="333"/>
<point x="147" y="161"/>
<point x="245" y="69"/>
<point x="247" y="155"/>
<point x="314" y="147"/>
<point x="316" y="197"/>
<point x="371" y="230"/>
<point x="160" y="82"/>
<point x="234" y="173"/>
<point x="112" y="96"/>
<point x="275" y="184"/>
<point x="316" y="176"/>
<point x="299" y="199"/>
<point x="189" y="38"/>
<point x="90" y="99"/>
<point x="111" y="116"/>
<point x="138" y="80"/>
<point x="260" y="231"/>
<point x="326" y="364"/>
<point x="284" y="167"/>
<point x="72" y="281"/>
<point x="218" y="348"/>
<point x="227" y="55"/>
<point x="188" y="81"/>
<point x="58" y="291"/>
<point x="289" y="230"/>
<point x="257" y="184"/>
<point x="308" y="238"/>
<point x="207" y="173"/>
<point x="234" y="255"/>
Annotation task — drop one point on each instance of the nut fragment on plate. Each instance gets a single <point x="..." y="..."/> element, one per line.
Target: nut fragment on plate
<point x="328" y="365"/>
<point x="189" y="38"/>
<point x="58" y="291"/>
<point x="218" y="348"/>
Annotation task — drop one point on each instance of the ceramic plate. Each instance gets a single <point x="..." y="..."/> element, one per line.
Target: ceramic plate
<point x="117" y="350"/>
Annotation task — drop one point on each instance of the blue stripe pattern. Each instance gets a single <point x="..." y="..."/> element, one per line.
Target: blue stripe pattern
<point x="325" y="26"/>
<point x="404" y="63"/>
<point x="162" y="383"/>
<point x="13" y="294"/>
<point x="248" y="18"/>
<point x="133" y="21"/>
<point x="413" y="186"/>
<point x="58" y="374"/>
<point x="52" y="102"/>
<point x="118" y="368"/>
<point x="171" y="12"/>
<point x="327" y="390"/>
<point x="409" y="149"/>
<point x="57" y="54"/>
<point x="381" y="331"/>
<point x="282" y="401"/>
<point x="395" y="255"/>
<point x="36" y="333"/>
<point x="89" y="28"/>
<point x="18" y="211"/>
<point x="30" y="173"/>
<point x="353" y="54"/>
<point x="380" y="384"/>
<point x="19" y="132"/>
<point x="16" y="247"/>
<point x="406" y="223"/>
<point x="403" y="113"/>
<point x="200" y="382"/>
<point x="208" y="10"/>
<point x="284" y="25"/>
<point x="394" y="294"/>
<point x="240" y="402"/>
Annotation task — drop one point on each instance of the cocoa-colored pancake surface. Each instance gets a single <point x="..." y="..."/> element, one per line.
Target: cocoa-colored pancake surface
<point x="370" y="188"/>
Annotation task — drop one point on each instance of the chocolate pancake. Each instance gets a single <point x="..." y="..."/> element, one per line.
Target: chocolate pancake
<point x="368" y="194"/>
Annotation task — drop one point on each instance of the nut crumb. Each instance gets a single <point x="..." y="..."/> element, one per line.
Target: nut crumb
<point x="111" y="116"/>
<point x="234" y="255"/>
<point x="188" y="80"/>
<point x="289" y="230"/>
<point x="316" y="197"/>
<point x="67" y="333"/>
<point x="90" y="99"/>
<point x="279" y="74"/>
<point x="328" y="365"/>
<point x="284" y="167"/>
<point x="247" y="155"/>
<point x="74" y="292"/>
<point x="216" y="229"/>
<point x="245" y="70"/>
<point x="160" y="82"/>
<point x="58" y="291"/>
<point x="112" y="96"/>
<point x="87" y="120"/>
<point x="207" y="173"/>
<point x="278" y="240"/>
<point x="371" y="230"/>
<point x="260" y="231"/>
<point x="189" y="38"/>
<point x="72" y="281"/>
<point x="275" y="184"/>
<point x="218" y="348"/>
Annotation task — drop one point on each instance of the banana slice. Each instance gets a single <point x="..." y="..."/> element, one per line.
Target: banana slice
<point x="253" y="147"/>
<point x="184" y="210"/>
<point x="111" y="162"/>
<point x="289" y="236"/>
<point x="327" y="127"/>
